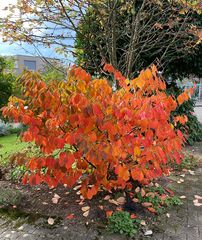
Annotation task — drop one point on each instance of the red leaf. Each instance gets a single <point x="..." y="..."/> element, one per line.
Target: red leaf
<point x="70" y="216"/>
<point x="133" y="216"/>
<point x="35" y="179"/>
<point x="109" y="213"/>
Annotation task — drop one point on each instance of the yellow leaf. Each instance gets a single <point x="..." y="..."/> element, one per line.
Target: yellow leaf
<point x="137" y="151"/>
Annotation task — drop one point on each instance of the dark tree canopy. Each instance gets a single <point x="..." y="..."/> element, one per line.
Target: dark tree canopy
<point x="6" y="82"/>
<point x="128" y="34"/>
<point x="133" y="36"/>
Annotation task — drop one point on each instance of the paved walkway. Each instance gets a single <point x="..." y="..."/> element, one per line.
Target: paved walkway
<point x="185" y="222"/>
<point x="198" y="112"/>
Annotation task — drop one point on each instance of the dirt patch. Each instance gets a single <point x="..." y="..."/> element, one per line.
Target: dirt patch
<point x="38" y="201"/>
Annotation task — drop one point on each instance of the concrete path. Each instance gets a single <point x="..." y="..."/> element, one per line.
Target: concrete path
<point x="198" y="112"/>
<point x="185" y="222"/>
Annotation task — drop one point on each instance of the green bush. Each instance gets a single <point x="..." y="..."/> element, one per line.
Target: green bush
<point x="173" y="201"/>
<point x="7" y="80"/>
<point x="121" y="222"/>
<point x="8" y="128"/>
<point x="193" y="128"/>
<point x="4" y="129"/>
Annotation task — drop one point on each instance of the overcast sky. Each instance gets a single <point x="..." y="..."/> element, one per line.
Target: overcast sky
<point x="25" y="49"/>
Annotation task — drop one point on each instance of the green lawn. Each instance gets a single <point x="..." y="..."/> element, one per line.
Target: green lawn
<point x="9" y="145"/>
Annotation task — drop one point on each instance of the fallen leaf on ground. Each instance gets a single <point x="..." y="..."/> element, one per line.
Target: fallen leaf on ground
<point x="77" y="187"/>
<point x="109" y="213"/>
<point x="195" y="201"/>
<point x="135" y="200"/>
<point x="198" y="197"/>
<point x="44" y="203"/>
<point x="101" y="207"/>
<point x="143" y="223"/>
<point x="143" y="193"/>
<point x="113" y="202"/>
<point x="84" y="209"/>
<point x="56" y="196"/>
<point x="133" y="216"/>
<point x="137" y="190"/>
<point x="148" y="233"/>
<point x="151" y="209"/>
<point x="168" y="215"/>
<point x="85" y="214"/>
<point x="181" y="180"/>
<point x="55" y="200"/>
<point x="169" y="191"/>
<point x="50" y="221"/>
<point x="191" y="172"/>
<point x="147" y="204"/>
<point x="197" y="204"/>
<point x="106" y="198"/>
<point x="70" y="216"/>
<point x="163" y="197"/>
<point x="183" y="197"/>
<point x="121" y="200"/>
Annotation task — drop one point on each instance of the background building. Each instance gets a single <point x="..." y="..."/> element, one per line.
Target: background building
<point x="34" y="63"/>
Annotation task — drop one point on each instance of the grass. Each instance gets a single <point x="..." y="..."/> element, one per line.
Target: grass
<point x="9" y="145"/>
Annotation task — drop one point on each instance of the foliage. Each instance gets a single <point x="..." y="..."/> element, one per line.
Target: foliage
<point x="6" y="82"/>
<point x="54" y="72"/>
<point x="173" y="201"/>
<point x="133" y="34"/>
<point x="189" y="162"/>
<point x="121" y="32"/>
<point x="17" y="173"/>
<point x="6" y="129"/>
<point x="9" y="197"/>
<point x="9" y="145"/>
<point x="115" y="137"/>
<point x="192" y="128"/>
<point x="121" y="222"/>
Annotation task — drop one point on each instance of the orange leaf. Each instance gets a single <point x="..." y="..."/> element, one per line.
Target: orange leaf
<point x="109" y="213"/>
<point x="151" y="209"/>
<point x="122" y="172"/>
<point x="137" y="174"/>
<point x="140" y="82"/>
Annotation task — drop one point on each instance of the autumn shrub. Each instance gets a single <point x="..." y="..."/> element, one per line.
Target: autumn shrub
<point x="104" y="138"/>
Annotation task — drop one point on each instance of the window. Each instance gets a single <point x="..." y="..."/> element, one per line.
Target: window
<point x="30" y="65"/>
